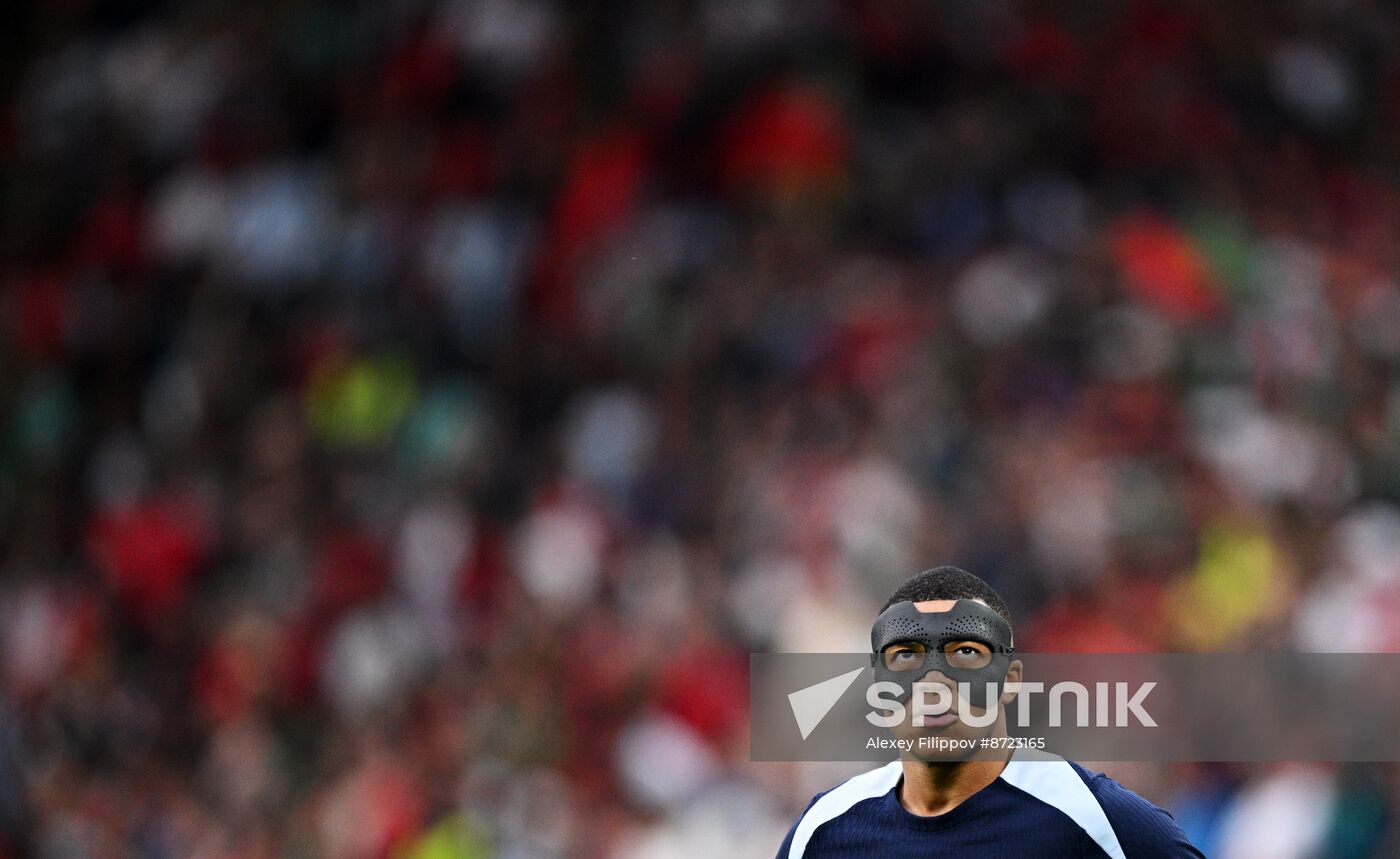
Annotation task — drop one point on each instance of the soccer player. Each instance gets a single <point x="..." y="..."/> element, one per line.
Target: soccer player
<point x="932" y="805"/>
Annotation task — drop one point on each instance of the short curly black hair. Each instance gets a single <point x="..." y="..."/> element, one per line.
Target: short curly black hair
<point x="949" y="583"/>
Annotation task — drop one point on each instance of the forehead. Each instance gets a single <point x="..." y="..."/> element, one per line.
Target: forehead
<point x="936" y="606"/>
<point x="939" y="605"/>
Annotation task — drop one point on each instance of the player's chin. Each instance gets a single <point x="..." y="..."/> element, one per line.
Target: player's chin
<point x="936" y="756"/>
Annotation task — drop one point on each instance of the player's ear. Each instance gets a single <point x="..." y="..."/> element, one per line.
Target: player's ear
<point x="1012" y="684"/>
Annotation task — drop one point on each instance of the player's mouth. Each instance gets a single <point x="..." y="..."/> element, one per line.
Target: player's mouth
<point x="942" y="720"/>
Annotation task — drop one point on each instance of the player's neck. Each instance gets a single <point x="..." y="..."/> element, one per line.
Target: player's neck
<point x="932" y="788"/>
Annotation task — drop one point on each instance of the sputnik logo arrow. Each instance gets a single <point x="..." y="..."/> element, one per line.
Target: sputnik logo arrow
<point x="810" y="705"/>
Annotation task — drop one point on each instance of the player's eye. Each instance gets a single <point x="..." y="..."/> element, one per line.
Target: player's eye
<point x="903" y="657"/>
<point x="967" y="654"/>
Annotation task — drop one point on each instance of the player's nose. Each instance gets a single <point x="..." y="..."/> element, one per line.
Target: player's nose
<point x="936" y="678"/>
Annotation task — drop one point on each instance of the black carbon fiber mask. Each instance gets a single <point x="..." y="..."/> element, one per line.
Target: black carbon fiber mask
<point x="967" y="620"/>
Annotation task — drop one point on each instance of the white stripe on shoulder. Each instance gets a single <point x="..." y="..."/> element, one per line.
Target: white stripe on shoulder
<point x="1052" y="780"/>
<point x="839" y="801"/>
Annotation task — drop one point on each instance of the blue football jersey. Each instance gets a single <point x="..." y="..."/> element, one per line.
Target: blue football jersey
<point x="1037" y="808"/>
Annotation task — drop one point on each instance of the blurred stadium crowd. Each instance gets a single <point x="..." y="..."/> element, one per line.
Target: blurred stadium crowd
<point x="412" y="413"/>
